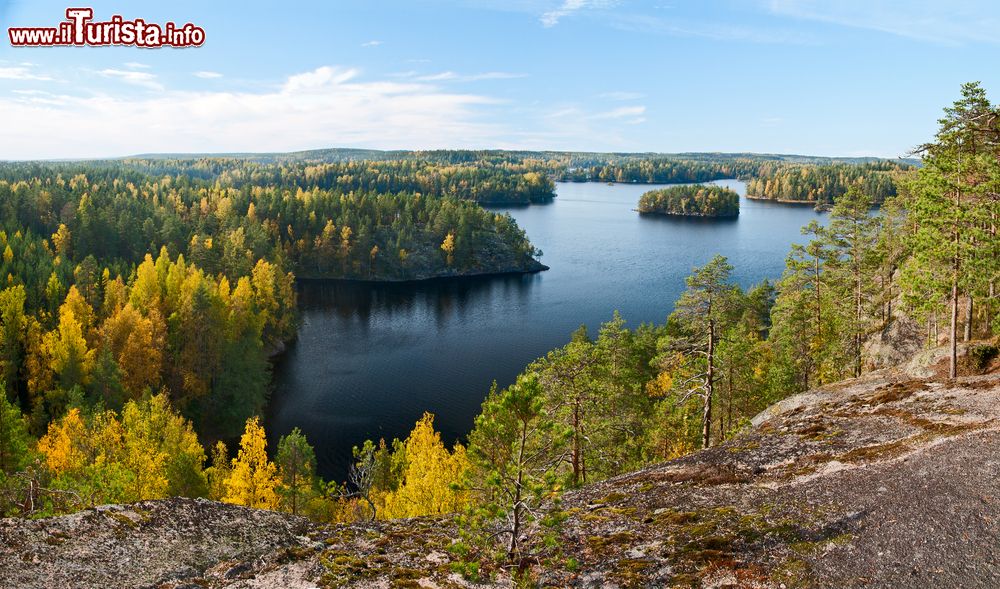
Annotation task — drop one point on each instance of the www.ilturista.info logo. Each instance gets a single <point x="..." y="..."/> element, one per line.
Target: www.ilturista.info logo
<point x="79" y="29"/>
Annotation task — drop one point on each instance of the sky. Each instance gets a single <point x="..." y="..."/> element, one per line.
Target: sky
<point x="834" y="78"/>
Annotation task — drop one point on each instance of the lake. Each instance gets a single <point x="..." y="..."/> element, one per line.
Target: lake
<point x="371" y="358"/>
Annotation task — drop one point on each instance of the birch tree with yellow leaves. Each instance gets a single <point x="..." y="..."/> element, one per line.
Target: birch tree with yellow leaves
<point x="254" y="480"/>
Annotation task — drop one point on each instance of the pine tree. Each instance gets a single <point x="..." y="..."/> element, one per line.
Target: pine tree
<point x="296" y="461"/>
<point x="14" y="438"/>
<point x="948" y="209"/>
<point x="706" y="309"/>
<point x="852" y="238"/>
<point x="515" y="450"/>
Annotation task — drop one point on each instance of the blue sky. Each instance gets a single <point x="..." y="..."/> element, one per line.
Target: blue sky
<point x="826" y="78"/>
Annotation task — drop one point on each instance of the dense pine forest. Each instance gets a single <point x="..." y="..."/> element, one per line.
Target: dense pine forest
<point x="697" y="200"/>
<point x="142" y="297"/>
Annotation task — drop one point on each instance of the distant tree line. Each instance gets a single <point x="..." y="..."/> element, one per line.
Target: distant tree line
<point x="824" y="184"/>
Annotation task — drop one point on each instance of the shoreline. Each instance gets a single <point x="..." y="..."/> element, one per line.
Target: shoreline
<point x="785" y="201"/>
<point x="686" y="216"/>
<point x="320" y="280"/>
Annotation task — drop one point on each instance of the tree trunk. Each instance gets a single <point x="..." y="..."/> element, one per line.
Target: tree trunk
<point x="857" y="325"/>
<point x="576" y="442"/>
<point x="515" y="528"/>
<point x="968" y="321"/>
<point x="706" y="420"/>
<point x="819" y="316"/>
<point x="729" y="405"/>
<point x="953" y="329"/>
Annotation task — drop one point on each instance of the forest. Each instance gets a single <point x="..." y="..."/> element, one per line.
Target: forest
<point x="524" y="177"/>
<point x="695" y="200"/>
<point x="140" y="304"/>
<point x="823" y="184"/>
<point x="120" y="283"/>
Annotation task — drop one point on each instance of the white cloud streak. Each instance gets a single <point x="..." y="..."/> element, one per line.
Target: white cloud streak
<point x="551" y="18"/>
<point x="329" y="106"/>
<point x="452" y="76"/>
<point x="951" y="23"/>
<point x="621" y="95"/>
<point x="21" y="72"/>
<point x="143" y="79"/>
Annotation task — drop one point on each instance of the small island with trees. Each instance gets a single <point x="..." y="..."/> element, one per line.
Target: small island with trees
<point x="691" y="200"/>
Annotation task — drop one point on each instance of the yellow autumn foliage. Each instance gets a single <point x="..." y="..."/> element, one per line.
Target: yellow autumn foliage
<point x="430" y="472"/>
<point x="61" y="445"/>
<point x="253" y="480"/>
<point x="149" y="453"/>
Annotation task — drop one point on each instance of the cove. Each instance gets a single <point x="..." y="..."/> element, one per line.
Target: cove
<point x="370" y="358"/>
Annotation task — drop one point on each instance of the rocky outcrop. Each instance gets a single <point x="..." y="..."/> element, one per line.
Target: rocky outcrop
<point x="894" y="345"/>
<point x="188" y="543"/>
<point x="889" y="480"/>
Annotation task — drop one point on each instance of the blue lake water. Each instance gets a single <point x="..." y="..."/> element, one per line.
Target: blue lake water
<point x="371" y="358"/>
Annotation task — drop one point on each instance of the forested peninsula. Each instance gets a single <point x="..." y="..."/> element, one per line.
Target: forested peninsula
<point x="823" y="184"/>
<point x="693" y="200"/>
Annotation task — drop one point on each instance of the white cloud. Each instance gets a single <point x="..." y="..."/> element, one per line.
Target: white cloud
<point x="135" y="65"/>
<point x="372" y="43"/>
<point x="449" y="75"/>
<point x="621" y="113"/>
<point x="21" y="72"/>
<point x="552" y="17"/>
<point x="438" y="77"/>
<point x="621" y="95"/>
<point x="207" y="75"/>
<point x="952" y="22"/>
<point x="324" y="107"/>
<point x="590" y="124"/>
<point x="496" y="76"/>
<point x="568" y="7"/>
<point x="319" y="78"/>
<point x="144" y="79"/>
<point x="718" y="31"/>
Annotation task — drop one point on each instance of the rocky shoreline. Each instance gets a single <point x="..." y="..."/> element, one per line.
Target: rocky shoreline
<point x="889" y="480"/>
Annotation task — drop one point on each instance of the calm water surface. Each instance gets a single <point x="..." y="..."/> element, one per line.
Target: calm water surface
<point x="370" y="359"/>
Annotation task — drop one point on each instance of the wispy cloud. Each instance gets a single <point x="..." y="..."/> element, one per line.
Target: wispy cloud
<point x="621" y="95"/>
<point x="21" y="72"/>
<point x="952" y="23"/>
<point x="207" y="75"/>
<point x="552" y="17"/>
<point x="323" y="107"/>
<point x="372" y="43"/>
<point x="634" y="114"/>
<point x="143" y="79"/>
<point x="629" y="115"/>
<point x="718" y="31"/>
<point x="449" y="76"/>
<point x="135" y="65"/>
